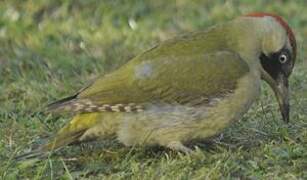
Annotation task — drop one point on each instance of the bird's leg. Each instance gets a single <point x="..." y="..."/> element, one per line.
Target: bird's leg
<point x="178" y="146"/>
<point x="88" y="135"/>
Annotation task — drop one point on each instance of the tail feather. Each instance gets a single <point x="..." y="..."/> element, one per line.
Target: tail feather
<point x="61" y="141"/>
<point x="50" y="147"/>
<point x="35" y="154"/>
<point x="69" y="134"/>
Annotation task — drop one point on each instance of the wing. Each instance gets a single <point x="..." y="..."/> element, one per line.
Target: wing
<point x="175" y="72"/>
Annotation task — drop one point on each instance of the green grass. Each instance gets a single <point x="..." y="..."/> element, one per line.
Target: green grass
<point x="50" y="49"/>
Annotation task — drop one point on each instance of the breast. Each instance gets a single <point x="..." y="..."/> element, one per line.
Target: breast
<point x="232" y="107"/>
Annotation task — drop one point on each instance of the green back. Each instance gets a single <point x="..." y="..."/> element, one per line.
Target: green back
<point x="190" y="68"/>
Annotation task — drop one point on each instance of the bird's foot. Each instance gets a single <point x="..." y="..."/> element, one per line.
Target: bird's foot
<point x="178" y="146"/>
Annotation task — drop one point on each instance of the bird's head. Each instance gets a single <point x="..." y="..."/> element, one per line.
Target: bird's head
<point x="278" y="53"/>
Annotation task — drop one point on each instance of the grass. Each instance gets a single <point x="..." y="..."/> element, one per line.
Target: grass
<point x="50" y="49"/>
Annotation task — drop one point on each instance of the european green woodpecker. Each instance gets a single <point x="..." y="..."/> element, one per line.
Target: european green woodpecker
<point x="185" y="88"/>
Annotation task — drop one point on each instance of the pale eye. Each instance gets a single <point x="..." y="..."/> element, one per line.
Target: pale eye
<point x="283" y="58"/>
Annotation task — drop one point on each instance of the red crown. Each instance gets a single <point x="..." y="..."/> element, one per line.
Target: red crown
<point x="283" y="23"/>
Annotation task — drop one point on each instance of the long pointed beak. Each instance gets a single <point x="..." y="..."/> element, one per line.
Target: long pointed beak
<point x="281" y="89"/>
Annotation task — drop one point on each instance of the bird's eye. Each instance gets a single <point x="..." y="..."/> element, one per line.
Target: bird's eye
<point x="283" y="58"/>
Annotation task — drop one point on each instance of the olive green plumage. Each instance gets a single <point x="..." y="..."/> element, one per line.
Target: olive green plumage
<point x="179" y="70"/>
<point x="189" y="87"/>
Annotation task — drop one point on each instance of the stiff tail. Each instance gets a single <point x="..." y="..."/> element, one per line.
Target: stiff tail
<point x="69" y="134"/>
<point x="50" y="147"/>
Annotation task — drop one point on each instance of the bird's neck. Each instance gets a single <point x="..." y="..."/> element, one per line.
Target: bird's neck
<point x="245" y="37"/>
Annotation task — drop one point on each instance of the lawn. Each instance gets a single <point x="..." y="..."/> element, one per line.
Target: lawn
<point x="50" y="49"/>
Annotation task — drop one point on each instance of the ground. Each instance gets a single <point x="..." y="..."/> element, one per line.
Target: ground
<point x="50" y="49"/>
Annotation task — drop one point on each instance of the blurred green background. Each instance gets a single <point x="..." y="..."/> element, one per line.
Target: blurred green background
<point x="51" y="48"/>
